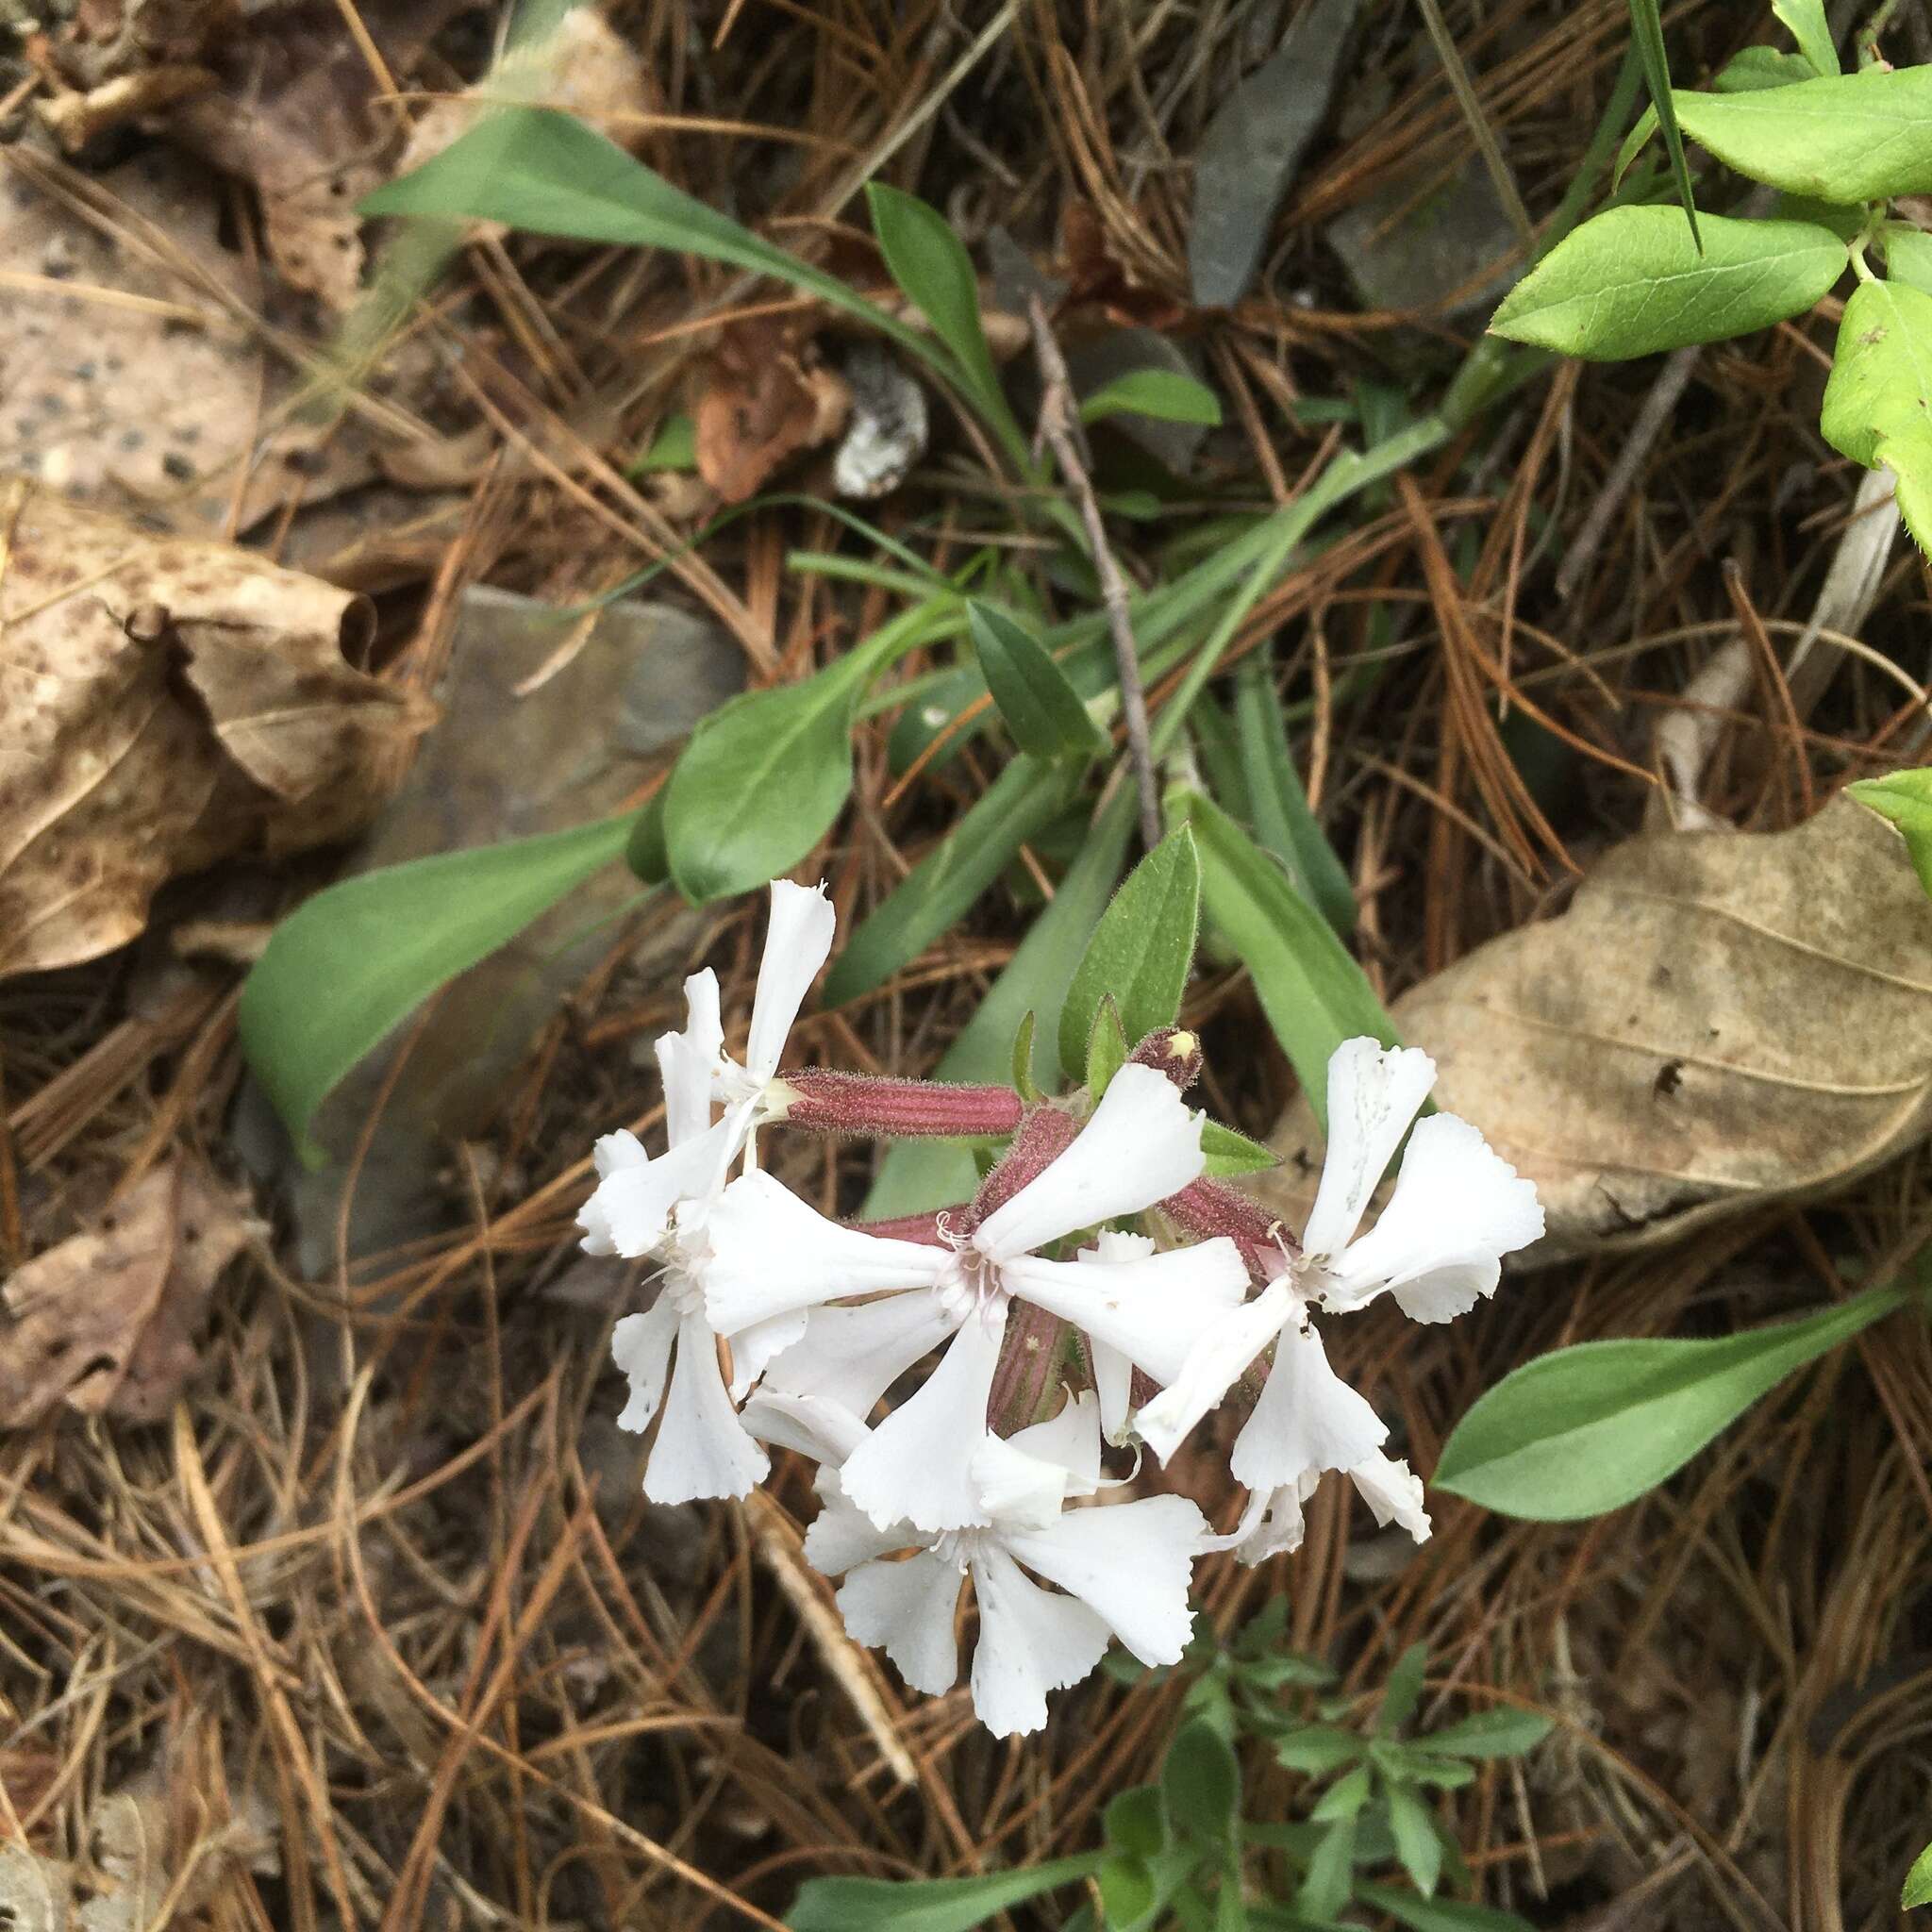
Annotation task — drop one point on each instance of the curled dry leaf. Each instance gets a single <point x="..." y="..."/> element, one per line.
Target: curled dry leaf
<point x="164" y="704"/>
<point x="1766" y="1033"/>
<point x="105" y="1320"/>
<point x="766" y="397"/>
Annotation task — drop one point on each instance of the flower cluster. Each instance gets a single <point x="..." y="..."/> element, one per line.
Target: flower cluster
<point x="1055" y="1332"/>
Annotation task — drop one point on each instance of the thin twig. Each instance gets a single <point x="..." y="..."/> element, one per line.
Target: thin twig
<point x="1060" y="428"/>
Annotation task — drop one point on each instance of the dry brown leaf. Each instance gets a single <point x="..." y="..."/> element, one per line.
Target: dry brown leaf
<point x="36" y="1893"/>
<point x="1718" y="1020"/>
<point x="164" y="704"/>
<point x="766" y="397"/>
<point x="105" y="1320"/>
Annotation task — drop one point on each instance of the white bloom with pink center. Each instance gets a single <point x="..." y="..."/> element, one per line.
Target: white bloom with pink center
<point x="1457" y="1209"/>
<point x="1124" y="1569"/>
<point x="773" y="1255"/>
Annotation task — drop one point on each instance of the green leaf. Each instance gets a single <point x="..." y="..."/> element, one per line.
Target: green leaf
<point x="1878" y="402"/>
<point x="1345" y="1797"/>
<point x="1438" y="1914"/>
<point x="926" y="1905"/>
<point x="1755" y="69"/>
<point x="917" y="1175"/>
<point x="1315" y="996"/>
<point x="1855" y="137"/>
<point x="940" y="888"/>
<point x="1201" y="1783"/>
<point x="1647" y="33"/>
<point x="675" y="447"/>
<point x="1279" y="811"/>
<point x="1042" y="710"/>
<point x="1318" y="1749"/>
<point x="1403" y="1691"/>
<point x="1811" y="30"/>
<point x="1500" y="1732"/>
<point x="1141" y="951"/>
<point x="1107" y="1047"/>
<point x="1416" y="1843"/>
<point x="1918" y="1887"/>
<point x="359" y="957"/>
<point x="1231" y="1153"/>
<point x="1409" y="1765"/>
<point x="1165" y="394"/>
<point x="1126" y="1892"/>
<point x="930" y="263"/>
<point x="1135" y="1821"/>
<point x="1589" y="1428"/>
<point x="1906" y="799"/>
<point x="760" y="783"/>
<point x="539" y="170"/>
<point x="1907" y="253"/>
<point x="645" y="852"/>
<point x="1023" y="1061"/>
<point x="1633" y="144"/>
<point x="1331" y="1874"/>
<point x="1631" y="281"/>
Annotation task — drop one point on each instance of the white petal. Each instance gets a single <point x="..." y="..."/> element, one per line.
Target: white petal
<point x="1374" y="1093"/>
<point x="1394" y="1492"/>
<point x="630" y="1211"/>
<point x="1130" y="1563"/>
<point x="797" y="942"/>
<point x="1012" y="1487"/>
<point x="916" y="1465"/>
<point x="753" y="1349"/>
<point x="852" y="1355"/>
<point x="1113" y="1383"/>
<point x="1030" y="1642"/>
<point x="702" y="1448"/>
<point x="1142" y="1145"/>
<point x="703" y="1029"/>
<point x="1153" y="1311"/>
<point x="1214" y="1364"/>
<point x="908" y="1609"/>
<point x="822" y="1430"/>
<point x="771" y="1253"/>
<point x="1457" y="1206"/>
<point x="1071" y="1439"/>
<point x="640" y="1346"/>
<point x="1276" y="1530"/>
<point x="842" y="1536"/>
<point x="1308" y="1419"/>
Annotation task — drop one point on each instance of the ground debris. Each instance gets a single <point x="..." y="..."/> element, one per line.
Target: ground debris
<point x="106" y="1322"/>
<point x="165" y="704"/>
<point x="767" y="394"/>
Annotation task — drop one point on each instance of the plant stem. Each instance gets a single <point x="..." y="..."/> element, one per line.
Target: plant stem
<point x="1059" y="426"/>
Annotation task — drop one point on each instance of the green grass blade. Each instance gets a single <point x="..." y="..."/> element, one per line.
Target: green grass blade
<point x="1647" y="29"/>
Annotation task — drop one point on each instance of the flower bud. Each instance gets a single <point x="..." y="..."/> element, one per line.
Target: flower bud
<point x="1205" y="1208"/>
<point x="1175" y="1051"/>
<point x="1044" y="1134"/>
<point x="1032" y="1363"/>
<point x="834" y="1103"/>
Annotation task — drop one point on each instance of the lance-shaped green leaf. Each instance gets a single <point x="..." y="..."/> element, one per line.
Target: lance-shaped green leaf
<point x="926" y="1905"/>
<point x="1416" y="1843"/>
<point x="1811" y="30"/>
<point x="1854" y="137"/>
<point x="1878" y="403"/>
<point x="1042" y="710"/>
<point x="359" y="957"/>
<point x="1230" y="1152"/>
<point x="1201" y="1782"/>
<point x="1165" y="394"/>
<point x="930" y="263"/>
<point x="1647" y="37"/>
<point x="1278" y="807"/>
<point x="1500" y="1732"/>
<point x="537" y="169"/>
<point x="1314" y="995"/>
<point x="939" y="890"/>
<point x="1752" y="69"/>
<point x="1906" y="799"/>
<point x="1632" y="281"/>
<point x="1586" y="1429"/>
<point x="1141" y="951"/>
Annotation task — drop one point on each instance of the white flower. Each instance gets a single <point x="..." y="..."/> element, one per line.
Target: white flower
<point x="772" y="1256"/>
<point x="659" y="1207"/>
<point x="1126" y="1569"/>
<point x="1456" y="1210"/>
<point x="637" y="1193"/>
<point x="1273" y="1523"/>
